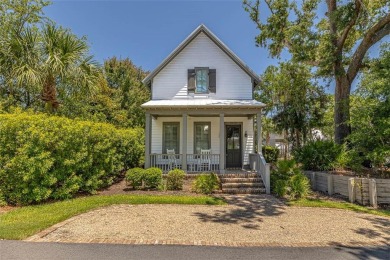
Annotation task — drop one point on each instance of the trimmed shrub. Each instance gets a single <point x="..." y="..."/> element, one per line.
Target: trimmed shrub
<point x="271" y="154"/>
<point x="206" y="183"/>
<point x="175" y="179"/>
<point x="280" y="187"/>
<point x="50" y="158"/>
<point x="299" y="186"/>
<point x="152" y="177"/>
<point x="318" y="155"/>
<point x="134" y="177"/>
<point x="289" y="181"/>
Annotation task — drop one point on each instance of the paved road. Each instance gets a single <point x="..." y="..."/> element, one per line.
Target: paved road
<point x="10" y="250"/>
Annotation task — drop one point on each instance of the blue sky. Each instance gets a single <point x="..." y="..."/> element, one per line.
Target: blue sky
<point x="147" y="31"/>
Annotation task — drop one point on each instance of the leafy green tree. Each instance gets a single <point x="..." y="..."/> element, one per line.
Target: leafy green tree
<point x="335" y="42"/>
<point x="126" y="91"/>
<point x="370" y="112"/>
<point x="296" y="105"/>
<point x="18" y="50"/>
<point x="15" y="15"/>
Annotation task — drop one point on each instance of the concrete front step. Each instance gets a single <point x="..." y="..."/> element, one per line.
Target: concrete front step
<point x="243" y="185"/>
<point x="244" y="190"/>
<point x="240" y="180"/>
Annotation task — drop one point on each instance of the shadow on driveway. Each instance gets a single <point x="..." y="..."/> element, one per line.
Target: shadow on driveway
<point x="246" y="210"/>
<point x="382" y="226"/>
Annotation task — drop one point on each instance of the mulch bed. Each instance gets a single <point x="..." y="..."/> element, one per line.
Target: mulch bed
<point x="323" y="196"/>
<point x="121" y="188"/>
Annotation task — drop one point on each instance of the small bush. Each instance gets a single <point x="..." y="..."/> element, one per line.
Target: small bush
<point x="134" y="177"/>
<point x="299" y="186"/>
<point x="163" y="185"/>
<point x="271" y="154"/>
<point x="175" y="179"/>
<point x="318" y="155"/>
<point x="206" y="183"/>
<point x="152" y="177"/>
<point x="288" y="180"/>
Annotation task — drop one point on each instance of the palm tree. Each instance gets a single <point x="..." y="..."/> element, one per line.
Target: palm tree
<point x="40" y="60"/>
<point x="65" y="60"/>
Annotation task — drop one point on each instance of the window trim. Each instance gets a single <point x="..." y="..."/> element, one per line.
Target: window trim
<point x="164" y="149"/>
<point x="207" y="81"/>
<point x="202" y="123"/>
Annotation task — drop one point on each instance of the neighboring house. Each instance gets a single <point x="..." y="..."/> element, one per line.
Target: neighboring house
<point x="202" y="111"/>
<point x="279" y="141"/>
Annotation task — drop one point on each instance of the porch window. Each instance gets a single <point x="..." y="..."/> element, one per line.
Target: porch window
<point x="202" y="136"/>
<point x="171" y="137"/>
<point x="201" y="80"/>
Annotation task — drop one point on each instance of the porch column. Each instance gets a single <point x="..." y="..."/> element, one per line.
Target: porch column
<point x="258" y="132"/>
<point x="221" y="143"/>
<point x="148" y="132"/>
<point x="184" y="145"/>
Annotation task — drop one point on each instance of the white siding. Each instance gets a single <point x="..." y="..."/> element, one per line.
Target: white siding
<point x="247" y="142"/>
<point x="232" y="81"/>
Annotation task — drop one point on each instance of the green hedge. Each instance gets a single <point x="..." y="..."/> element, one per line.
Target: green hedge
<point x="48" y="157"/>
<point x="318" y="155"/>
<point x="270" y="153"/>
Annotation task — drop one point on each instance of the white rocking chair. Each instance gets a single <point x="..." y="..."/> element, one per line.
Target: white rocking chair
<point x="204" y="162"/>
<point x="172" y="160"/>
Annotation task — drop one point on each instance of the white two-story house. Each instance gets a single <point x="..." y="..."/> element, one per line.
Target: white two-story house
<point x="202" y="113"/>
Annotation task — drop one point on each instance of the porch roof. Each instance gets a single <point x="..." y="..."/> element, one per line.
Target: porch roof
<point x="202" y="103"/>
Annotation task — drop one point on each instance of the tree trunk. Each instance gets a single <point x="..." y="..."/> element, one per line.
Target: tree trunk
<point x="49" y="93"/>
<point x="298" y="138"/>
<point x="341" y="109"/>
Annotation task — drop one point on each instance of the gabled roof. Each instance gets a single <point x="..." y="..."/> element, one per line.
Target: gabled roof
<point x="202" y="28"/>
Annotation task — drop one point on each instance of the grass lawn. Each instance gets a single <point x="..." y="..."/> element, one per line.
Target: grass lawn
<point x="323" y="203"/>
<point x="26" y="221"/>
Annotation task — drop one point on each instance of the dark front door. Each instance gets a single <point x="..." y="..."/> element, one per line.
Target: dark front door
<point x="233" y="146"/>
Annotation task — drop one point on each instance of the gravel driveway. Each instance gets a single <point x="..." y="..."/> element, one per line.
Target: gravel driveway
<point x="246" y="221"/>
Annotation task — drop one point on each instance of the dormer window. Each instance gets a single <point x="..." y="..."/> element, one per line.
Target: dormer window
<point x="201" y="80"/>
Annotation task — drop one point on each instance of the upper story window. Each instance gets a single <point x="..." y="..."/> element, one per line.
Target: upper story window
<point x="201" y="80"/>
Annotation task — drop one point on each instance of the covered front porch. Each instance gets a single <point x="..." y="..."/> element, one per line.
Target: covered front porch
<point x="203" y="139"/>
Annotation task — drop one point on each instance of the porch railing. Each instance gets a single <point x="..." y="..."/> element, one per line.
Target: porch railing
<point x="257" y="163"/>
<point x="166" y="162"/>
<point x="195" y="162"/>
<point x="202" y="163"/>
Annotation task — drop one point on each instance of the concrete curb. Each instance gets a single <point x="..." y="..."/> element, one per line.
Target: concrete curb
<point x="38" y="239"/>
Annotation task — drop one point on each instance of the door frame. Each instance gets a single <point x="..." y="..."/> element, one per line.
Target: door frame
<point x="241" y="138"/>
